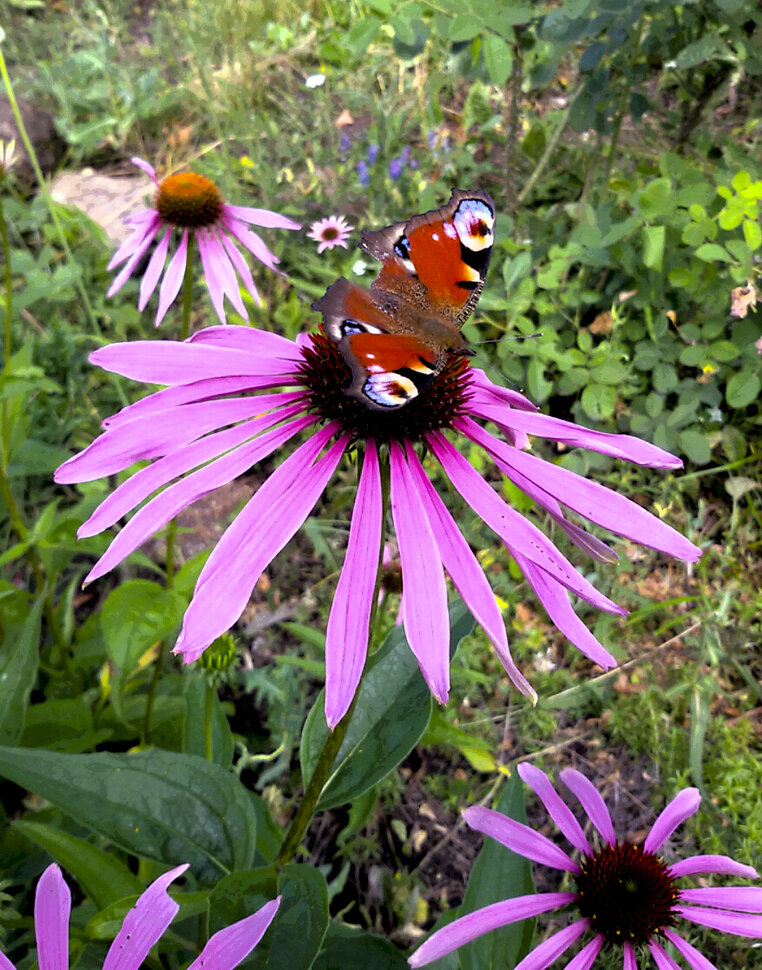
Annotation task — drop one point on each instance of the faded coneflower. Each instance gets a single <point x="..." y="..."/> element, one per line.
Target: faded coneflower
<point x="192" y="206"/>
<point x="330" y="232"/>
<point x="221" y="414"/>
<point x="142" y="928"/>
<point x="627" y="896"/>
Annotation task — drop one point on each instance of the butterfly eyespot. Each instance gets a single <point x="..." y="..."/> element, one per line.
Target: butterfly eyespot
<point x="402" y="248"/>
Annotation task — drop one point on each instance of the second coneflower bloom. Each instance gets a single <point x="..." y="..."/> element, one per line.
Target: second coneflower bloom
<point x="189" y="205"/>
<point x="330" y="232"/>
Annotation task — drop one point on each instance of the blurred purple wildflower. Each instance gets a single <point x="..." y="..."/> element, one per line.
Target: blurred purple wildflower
<point x="626" y="894"/>
<point x="395" y="169"/>
<point x="373" y="151"/>
<point x="363" y="174"/>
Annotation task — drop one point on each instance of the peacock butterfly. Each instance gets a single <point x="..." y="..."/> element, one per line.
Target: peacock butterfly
<point x="397" y="336"/>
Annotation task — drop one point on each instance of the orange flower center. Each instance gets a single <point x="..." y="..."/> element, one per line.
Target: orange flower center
<point x="189" y="201"/>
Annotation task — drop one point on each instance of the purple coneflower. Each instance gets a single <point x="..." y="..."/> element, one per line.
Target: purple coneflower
<point x="143" y="926"/>
<point x="208" y="426"/>
<point x="330" y="232"/>
<point x="626" y="895"/>
<point x="192" y="203"/>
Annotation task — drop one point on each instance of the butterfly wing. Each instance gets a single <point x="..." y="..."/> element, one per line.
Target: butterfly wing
<point x="437" y="262"/>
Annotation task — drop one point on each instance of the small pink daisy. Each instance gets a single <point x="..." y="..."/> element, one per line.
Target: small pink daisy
<point x="142" y="928"/>
<point x="192" y="203"/>
<point x="626" y="894"/>
<point x="331" y="232"/>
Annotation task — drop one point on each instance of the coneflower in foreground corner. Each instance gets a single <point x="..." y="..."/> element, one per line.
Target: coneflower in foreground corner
<point x="142" y="928"/>
<point x="192" y="205"/>
<point x="221" y="414"/>
<point x="627" y="896"/>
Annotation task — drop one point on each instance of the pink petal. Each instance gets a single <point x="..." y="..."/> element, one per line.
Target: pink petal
<point x="558" y="810"/>
<point x="424" y="604"/>
<point x="721" y="864"/>
<point x="153" y="270"/>
<point x="261" y="217"/>
<point x="259" y="532"/>
<point x="251" y="241"/>
<point x="555" y="599"/>
<point x="204" y="390"/>
<point x="549" y="950"/>
<point x="146" y="167"/>
<point x="468" y="927"/>
<point x="663" y="960"/>
<point x="212" y="276"/>
<point x="519" y="838"/>
<point x="232" y="944"/>
<point x="226" y="271"/>
<point x="592" y="501"/>
<point x="52" y="907"/>
<point x="682" y="806"/>
<point x="348" y="628"/>
<point x="240" y="265"/>
<point x="171" y="362"/>
<point x="738" y="923"/>
<point x="139" y="486"/>
<point x="250" y="341"/>
<point x="515" y="531"/>
<point x="167" y="504"/>
<point x="744" y="899"/>
<point x="173" y="278"/>
<point x="138" y="252"/>
<point x="495" y="394"/>
<point x="5" y="963"/>
<point x="144" y="924"/>
<point x="590" y="799"/>
<point x="465" y="572"/>
<point x="629" y="958"/>
<point x="697" y="960"/>
<point x="586" y="956"/>
<point x="147" y="224"/>
<point x="151" y="435"/>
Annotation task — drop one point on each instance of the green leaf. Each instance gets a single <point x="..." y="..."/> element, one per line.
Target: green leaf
<point x="752" y="234"/>
<point x="197" y="695"/>
<point x="296" y="934"/>
<point x="101" y="875"/>
<point x="609" y="372"/>
<point x="391" y="715"/>
<point x="699" y="51"/>
<point x="347" y="947"/>
<point x="499" y="874"/>
<point x="538" y="385"/>
<point x="19" y="657"/>
<point x="170" y="807"/>
<point x="476" y="751"/>
<point x="656" y="200"/>
<point x="653" y="246"/>
<point x="742" y="389"/>
<point x="711" y="252"/>
<point x="695" y="445"/>
<point x="498" y="57"/>
<point x="599" y="401"/>
<point x="464" y="27"/>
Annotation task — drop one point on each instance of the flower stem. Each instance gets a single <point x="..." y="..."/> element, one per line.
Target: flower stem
<point x="208" y="733"/>
<point x="333" y="742"/>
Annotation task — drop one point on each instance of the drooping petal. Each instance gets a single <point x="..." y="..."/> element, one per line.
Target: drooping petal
<point x="147" y="480"/>
<point x="629" y="958"/>
<point x="519" y="838"/>
<point x="697" y="960"/>
<point x="717" y="919"/>
<point x="150" y="171"/>
<point x="424" y="604"/>
<point x="146" y="223"/>
<point x="5" y="963"/>
<point x="171" y="362"/>
<point x="240" y="265"/>
<point x="251" y="241"/>
<point x="555" y="599"/>
<point x="744" y="899"/>
<point x="211" y="274"/>
<point x="495" y="394"/>
<point x="346" y="641"/>
<point x="587" y="955"/>
<point x="52" y="907"/>
<point x="721" y="864"/>
<point x="515" y="531"/>
<point x="551" y="949"/>
<point x="261" y="217"/>
<point x="153" y="270"/>
<point x="144" y="924"/>
<point x="663" y="960"/>
<point x="173" y="278"/>
<point x="228" y="947"/>
<point x="139" y="251"/>
<point x="555" y="806"/>
<point x="682" y="806"/>
<point x="590" y="799"/>
<point x="226" y="272"/>
<point x="591" y="500"/>
<point x="168" y="503"/>
<point x="468" y="927"/>
<point x="271" y="517"/>
<point x="465" y="572"/>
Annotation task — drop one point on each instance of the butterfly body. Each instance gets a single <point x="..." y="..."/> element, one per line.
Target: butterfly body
<point x="397" y="336"/>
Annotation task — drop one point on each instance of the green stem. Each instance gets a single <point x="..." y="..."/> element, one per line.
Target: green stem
<point x="208" y="735"/>
<point x="303" y="816"/>
<point x="45" y="192"/>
